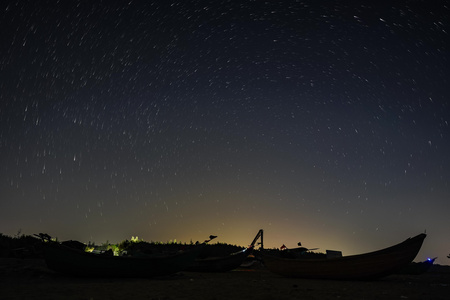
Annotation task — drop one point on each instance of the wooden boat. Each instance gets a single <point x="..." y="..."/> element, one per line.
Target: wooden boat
<point x="224" y="263"/>
<point x="219" y="264"/>
<point x="355" y="267"/>
<point x="72" y="261"/>
<point x="417" y="268"/>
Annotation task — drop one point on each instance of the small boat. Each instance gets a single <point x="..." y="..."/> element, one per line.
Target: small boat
<point x="365" y="266"/>
<point x="417" y="268"/>
<point x="221" y="263"/>
<point x="72" y="261"/>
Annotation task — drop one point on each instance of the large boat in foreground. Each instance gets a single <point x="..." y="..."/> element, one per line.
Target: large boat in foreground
<point x="72" y="261"/>
<point x="365" y="266"/>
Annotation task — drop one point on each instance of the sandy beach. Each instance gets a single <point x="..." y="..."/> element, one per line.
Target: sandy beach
<point x="31" y="279"/>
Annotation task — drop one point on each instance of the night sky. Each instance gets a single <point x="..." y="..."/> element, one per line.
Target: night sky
<point x="320" y="122"/>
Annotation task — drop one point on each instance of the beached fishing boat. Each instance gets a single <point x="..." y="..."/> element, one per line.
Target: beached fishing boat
<point x="365" y="266"/>
<point x="69" y="260"/>
<point x="221" y="263"/>
<point x="417" y="268"/>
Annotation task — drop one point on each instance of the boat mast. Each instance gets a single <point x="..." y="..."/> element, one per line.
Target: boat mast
<point x="259" y="235"/>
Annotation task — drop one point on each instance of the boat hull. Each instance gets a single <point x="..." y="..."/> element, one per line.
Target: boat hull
<point x="71" y="261"/>
<point x="219" y="264"/>
<point x="356" y="267"/>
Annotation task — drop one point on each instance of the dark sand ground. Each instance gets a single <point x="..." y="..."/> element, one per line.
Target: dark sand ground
<point x="30" y="279"/>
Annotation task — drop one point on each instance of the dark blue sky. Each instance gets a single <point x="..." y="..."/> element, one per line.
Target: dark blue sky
<point x="320" y="122"/>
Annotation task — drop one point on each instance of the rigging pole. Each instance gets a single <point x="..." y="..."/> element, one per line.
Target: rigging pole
<point x="259" y="235"/>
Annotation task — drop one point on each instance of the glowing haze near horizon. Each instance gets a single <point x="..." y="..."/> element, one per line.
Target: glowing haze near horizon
<point x="326" y="124"/>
